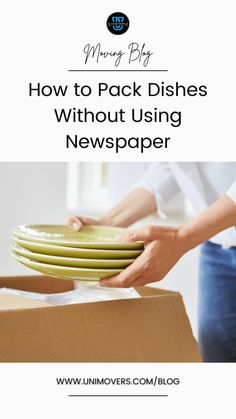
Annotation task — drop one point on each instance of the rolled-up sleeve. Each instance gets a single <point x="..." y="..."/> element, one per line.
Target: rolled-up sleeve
<point x="159" y="180"/>
<point x="231" y="192"/>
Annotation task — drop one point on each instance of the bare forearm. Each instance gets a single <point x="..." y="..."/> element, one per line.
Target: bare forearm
<point x="136" y="205"/>
<point x="218" y="217"/>
<point x="166" y="245"/>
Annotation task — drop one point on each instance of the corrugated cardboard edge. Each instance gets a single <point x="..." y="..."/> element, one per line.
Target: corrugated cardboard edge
<point x="18" y="302"/>
<point x="37" y="283"/>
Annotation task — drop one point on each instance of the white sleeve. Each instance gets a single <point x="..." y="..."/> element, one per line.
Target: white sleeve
<point x="231" y="192"/>
<point x="159" y="180"/>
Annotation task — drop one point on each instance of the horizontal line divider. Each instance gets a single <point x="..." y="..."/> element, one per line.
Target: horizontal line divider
<point x="117" y="395"/>
<point x="117" y="71"/>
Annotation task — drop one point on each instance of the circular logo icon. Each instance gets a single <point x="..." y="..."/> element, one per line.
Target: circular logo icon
<point x="118" y="23"/>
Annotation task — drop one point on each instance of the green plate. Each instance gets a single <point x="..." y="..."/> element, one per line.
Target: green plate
<point x="75" y="262"/>
<point x="75" y="252"/>
<point x="65" y="272"/>
<point x="89" y="237"/>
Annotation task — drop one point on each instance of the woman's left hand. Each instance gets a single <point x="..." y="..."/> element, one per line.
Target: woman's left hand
<point x="164" y="246"/>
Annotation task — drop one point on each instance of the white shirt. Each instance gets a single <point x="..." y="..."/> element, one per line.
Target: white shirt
<point x="202" y="183"/>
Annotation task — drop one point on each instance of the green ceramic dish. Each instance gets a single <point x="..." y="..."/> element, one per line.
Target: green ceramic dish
<point x="73" y="262"/>
<point x="75" y="252"/>
<point x="65" y="272"/>
<point x="89" y="237"/>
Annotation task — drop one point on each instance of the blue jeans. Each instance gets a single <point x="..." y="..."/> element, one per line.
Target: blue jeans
<point x="217" y="303"/>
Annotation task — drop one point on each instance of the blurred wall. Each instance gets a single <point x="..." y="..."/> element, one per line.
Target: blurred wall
<point x="31" y="193"/>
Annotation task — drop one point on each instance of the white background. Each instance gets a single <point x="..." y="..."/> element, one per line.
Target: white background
<point x="205" y="390"/>
<point x="40" y="41"/>
<point x="195" y="41"/>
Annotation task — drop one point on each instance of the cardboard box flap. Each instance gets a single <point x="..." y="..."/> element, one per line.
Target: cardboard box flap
<point x="37" y="283"/>
<point x="13" y="302"/>
<point x="148" y="291"/>
<point x="154" y="329"/>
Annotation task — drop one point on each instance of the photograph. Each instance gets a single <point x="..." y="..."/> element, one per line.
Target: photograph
<point x="122" y="262"/>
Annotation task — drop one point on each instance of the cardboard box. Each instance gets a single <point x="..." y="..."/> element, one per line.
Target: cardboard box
<point x="154" y="328"/>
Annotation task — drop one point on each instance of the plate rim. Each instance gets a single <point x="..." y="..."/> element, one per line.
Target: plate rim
<point x="53" y="247"/>
<point x="46" y="265"/>
<point x="89" y="245"/>
<point x="14" y="248"/>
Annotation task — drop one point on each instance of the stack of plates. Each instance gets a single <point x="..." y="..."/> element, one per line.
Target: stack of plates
<point x="92" y="253"/>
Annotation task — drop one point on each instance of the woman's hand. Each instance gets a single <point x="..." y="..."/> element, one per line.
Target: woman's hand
<point x="137" y="204"/>
<point x="76" y="221"/>
<point x="164" y="246"/>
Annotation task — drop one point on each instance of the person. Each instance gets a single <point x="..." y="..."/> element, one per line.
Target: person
<point x="211" y="187"/>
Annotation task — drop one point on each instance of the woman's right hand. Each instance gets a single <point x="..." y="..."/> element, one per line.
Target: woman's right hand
<point x="75" y="222"/>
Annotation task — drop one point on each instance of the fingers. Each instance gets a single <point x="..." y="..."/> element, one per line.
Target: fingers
<point x="116" y="282"/>
<point x="143" y="270"/>
<point x="142" y="280"/>
<point x="125" y="278"/>
<point x="74" y="222"/>
<point x="146" y="234"/>
<point x="88" y="220"/>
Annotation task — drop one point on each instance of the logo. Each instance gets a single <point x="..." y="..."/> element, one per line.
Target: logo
<point x="118" y="23"/>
